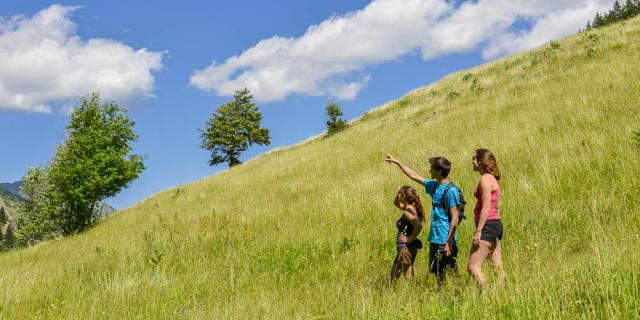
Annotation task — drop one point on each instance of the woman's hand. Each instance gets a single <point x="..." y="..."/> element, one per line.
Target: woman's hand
<point x="447" y="249"/>
<point x="476" y="238"/>
<point x="403" y="238"/>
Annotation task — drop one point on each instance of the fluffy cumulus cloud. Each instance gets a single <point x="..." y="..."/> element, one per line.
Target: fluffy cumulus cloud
<point x="42" y="61"/>
<point x="332" y="58"/>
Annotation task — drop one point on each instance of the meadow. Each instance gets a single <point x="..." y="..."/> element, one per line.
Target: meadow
<point x="307" y="232"/>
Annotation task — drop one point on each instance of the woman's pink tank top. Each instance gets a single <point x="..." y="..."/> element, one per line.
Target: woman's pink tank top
<point x="493" y="208"/>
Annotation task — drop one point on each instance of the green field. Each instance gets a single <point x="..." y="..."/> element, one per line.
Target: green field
<point x="307" y="232"/>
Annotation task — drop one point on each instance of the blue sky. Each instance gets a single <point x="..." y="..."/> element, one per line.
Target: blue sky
<point x="295" y="55"/>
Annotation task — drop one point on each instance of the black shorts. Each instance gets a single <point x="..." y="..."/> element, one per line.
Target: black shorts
<point x="492" y="231"/>
<point x="439" y="261"/>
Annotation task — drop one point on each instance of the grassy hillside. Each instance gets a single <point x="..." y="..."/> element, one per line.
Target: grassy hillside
<point x="308" y="232"/>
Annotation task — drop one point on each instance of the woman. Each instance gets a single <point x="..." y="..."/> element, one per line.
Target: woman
<point x="488" y="235"/>
<point x="409" y="226"/>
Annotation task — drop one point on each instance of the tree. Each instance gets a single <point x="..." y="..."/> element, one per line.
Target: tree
<point x="3" y="216"/>
<point x="94" y="163"/>
<point x="8" y="237"/>
<point x="41" y="217"/>
<point x="335" y="124"/>
<point x="233" y="128"/>
<point x="598" y="21"/>
<point x="629" y="9"/>
<point x="616" y="12"/>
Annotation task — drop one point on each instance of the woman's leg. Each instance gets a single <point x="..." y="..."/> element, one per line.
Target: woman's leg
<point x="477" y="256"/>
<point x="496" y="260"/>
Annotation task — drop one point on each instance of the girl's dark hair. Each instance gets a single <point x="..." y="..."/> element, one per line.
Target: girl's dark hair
<point x="441" y="164"/>
<point x="411" y="196"/>
<point x="488" y="162"/>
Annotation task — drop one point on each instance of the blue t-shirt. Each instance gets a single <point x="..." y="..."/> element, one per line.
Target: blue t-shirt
<point x="439" y="218"/>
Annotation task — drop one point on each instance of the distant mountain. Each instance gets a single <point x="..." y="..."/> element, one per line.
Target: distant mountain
<point x="14" y="198"/>
<point x="13" y="188"/>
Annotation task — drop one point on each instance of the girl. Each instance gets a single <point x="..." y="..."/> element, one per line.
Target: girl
<point x="488" y="235"/>
<point x="409" y="226"/>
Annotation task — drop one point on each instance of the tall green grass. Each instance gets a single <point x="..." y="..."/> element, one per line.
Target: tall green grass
<point x="308" y="232"/>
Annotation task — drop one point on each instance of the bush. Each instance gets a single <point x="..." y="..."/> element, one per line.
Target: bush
<point x="453" y="94"/>
<point x="592" y="40"/>
<point x="475" y="86"/>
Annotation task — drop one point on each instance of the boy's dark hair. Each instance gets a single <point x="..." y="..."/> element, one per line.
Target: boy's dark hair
<point x="441" y="164"/>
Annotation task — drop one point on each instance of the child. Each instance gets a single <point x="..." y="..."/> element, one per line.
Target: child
<point x="409" y="225"/>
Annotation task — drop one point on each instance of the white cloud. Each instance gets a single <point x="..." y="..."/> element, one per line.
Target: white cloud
<point x="552" y="25"/>
<point x="43" y="61"/>
<point x="328" y="58"/>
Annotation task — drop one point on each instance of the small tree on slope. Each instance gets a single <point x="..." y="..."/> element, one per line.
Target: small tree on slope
<point x="335" y="123"/>
<point x="233" y="128"/>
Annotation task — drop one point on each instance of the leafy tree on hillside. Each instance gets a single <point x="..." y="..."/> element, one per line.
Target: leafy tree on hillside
<point x="233" y="128"/>
<point x="94" y="163"/>
<point x="40" y="219"/>
<point x="335" y="123"/>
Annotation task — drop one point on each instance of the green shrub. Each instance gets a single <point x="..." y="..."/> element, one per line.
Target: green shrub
<point x="592" y="40"/>
<point x="475" y="86"/>
<point x="453" y="94"/>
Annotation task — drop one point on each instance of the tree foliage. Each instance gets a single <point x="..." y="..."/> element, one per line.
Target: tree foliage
<point x="7" y="237"/>
<point x="233" y="128"/>
<point x="617" y="13"/>
<point x="3" y="216"/>
<point x="94" y="163"/>
<point x="335" y="123"/>
<point x="40" y="219"/>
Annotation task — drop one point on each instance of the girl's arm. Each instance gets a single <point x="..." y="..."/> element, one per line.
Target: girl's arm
<point x="417" y="226"/>
<point x="485" y="195"/>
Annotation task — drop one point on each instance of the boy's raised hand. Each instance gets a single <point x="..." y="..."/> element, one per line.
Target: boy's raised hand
<point x="390" y="158"/>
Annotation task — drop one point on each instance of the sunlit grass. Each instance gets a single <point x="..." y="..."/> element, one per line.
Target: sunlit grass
<point x="307" y="232"/>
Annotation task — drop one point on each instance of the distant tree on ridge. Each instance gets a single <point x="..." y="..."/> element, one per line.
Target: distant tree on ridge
<point x="335" y="123"/>
<point x="233" y="128"/>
